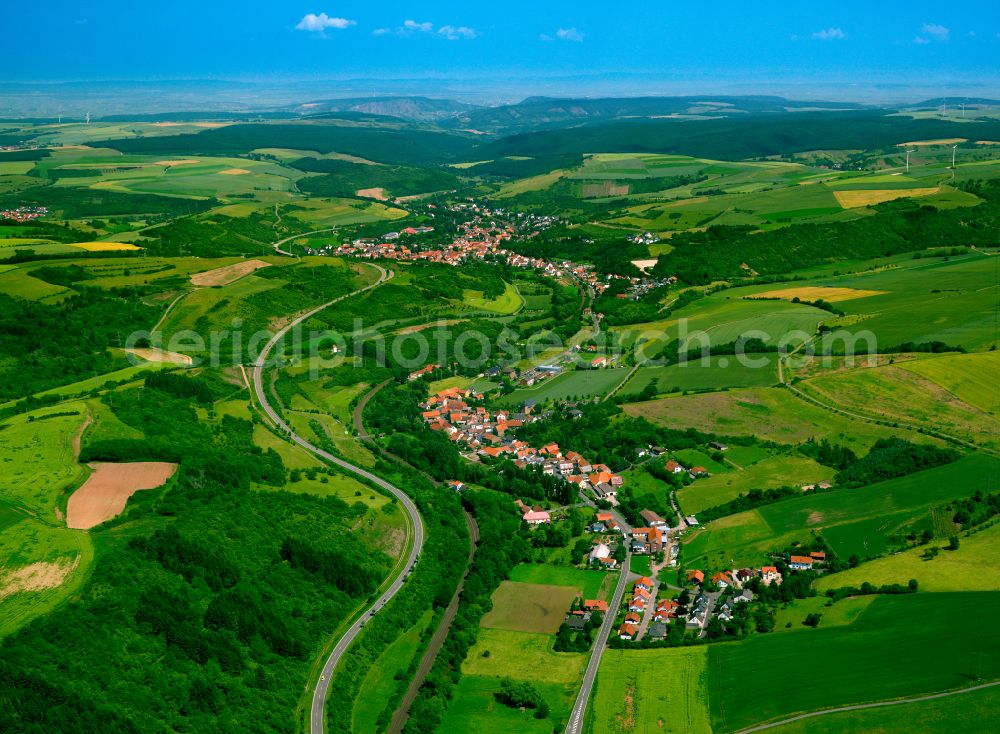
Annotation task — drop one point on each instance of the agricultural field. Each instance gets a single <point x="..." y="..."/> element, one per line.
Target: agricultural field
<point x="939" y="716"/>
<point x="970" y="568"/>
<point x="967" y="376"/>
<point x="580" y="384"/>
<point x="650" y="691"/>
<point x="853" y="521"/>
<point x="587" y="583"/>
<point x="712" y="373"/>
<point x="509" y="302"/>
<point x="773" y="472"/>
<point x="719" y="319"/>
<point x="106" y="491"/>
<point x="772" y="414"/>
<point x="900" y="638"/>
<point x="41" y="560"/>
<point x="897" y="394"/>
<point x="529" y="607"/>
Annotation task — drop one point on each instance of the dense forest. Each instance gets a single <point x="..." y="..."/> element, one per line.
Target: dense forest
<point x="209" y="601"/>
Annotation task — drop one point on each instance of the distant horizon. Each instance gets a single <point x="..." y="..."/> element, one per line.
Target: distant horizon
<point x="50" y="98"/>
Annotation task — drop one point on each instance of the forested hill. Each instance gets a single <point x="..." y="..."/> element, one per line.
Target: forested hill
<point x="384" y="144"/>
<point x="737" y="139"/>
<point x="900" y="226"/>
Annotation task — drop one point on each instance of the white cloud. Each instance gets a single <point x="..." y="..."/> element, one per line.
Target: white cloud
<point x="829" y="34"/>
<point x="936" y="31"/>
<point x="454" y="33"/>
<point x="412" y="25"/>
<point x="381" y="31"/>
<point x="563" y="34"/>
<point x="920" y="41"/>
<point x="318" y="23"/>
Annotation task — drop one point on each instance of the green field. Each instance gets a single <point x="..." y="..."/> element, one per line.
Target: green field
<point x="714" y="374"/>
<point x="651" y="691"/>
<point x="773" y="414"/>
<point x="720" y="319"/>
<point x="587" y="583"/>
<point x="577" y="383"/>
<point x="39" y="458"/>
<point x="898" y="394"/>
<point x="522" y="655"/>
<point x="510" y="301"/>
<point x="691" y="458"/>
<point x="380" y="683"/>
<point x="851" y="520"/>
<point x="776" y="471"/>
<point x="908" y="644"/>
<point x="474" y="708"/>
<point x="37" y="469"/>
<point x="948" y="301"/>
<point x="965" y="712"/>
<point x="970" y="568"/>
<point x="966" y="376"/>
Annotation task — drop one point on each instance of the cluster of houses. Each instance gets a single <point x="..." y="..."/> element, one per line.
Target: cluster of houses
<point x="24" y="213"/>
<point x="483" y="238"/>
<point x="643" y="602"/>
<point x="490" y="435"/>
<point x="663" y="611"/>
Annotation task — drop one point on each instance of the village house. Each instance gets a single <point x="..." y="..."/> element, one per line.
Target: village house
<point x="653" y="520"/>
<point x="595" y="605"/>
<point x="627" y="631"/>
<point x="723" y="579"/>
<point x="696" y="577"/>
<point x="770" y="575"/>
<point x="800" y="563"/>
<point x="657" y="631"/>
<point x="647" y="540"/>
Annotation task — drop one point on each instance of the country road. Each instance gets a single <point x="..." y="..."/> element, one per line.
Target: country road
<point x="576" y="716"/>
<point x="277" y="245"/>
<point x="316" y="716"/>
<point x="860" y="706"/>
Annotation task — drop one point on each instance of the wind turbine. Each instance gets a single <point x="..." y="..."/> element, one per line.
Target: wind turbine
<point x="88" y="118"/>
<point x="953" y="149"/>
<point x="908" y="151"/>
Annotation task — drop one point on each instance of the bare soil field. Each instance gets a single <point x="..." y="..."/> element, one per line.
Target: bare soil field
<point x="152" y="354"/>
<point x="180" y="162"/>
<point x="104" y="494"/>
<point x="234" y="171"/>
<point x="228" y="274"/>
<point x="374" y="193"/>
<point x="36" y="576"/>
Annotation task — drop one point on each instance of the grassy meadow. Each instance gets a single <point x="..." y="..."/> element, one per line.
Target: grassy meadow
<point x="909" y="644"/>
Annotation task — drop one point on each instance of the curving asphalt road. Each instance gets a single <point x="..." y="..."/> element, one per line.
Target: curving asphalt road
<point x="575" y="724"/>
<point x="316" y="720"/>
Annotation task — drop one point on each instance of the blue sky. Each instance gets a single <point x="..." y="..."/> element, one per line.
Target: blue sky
<point x="843" y="41"/>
